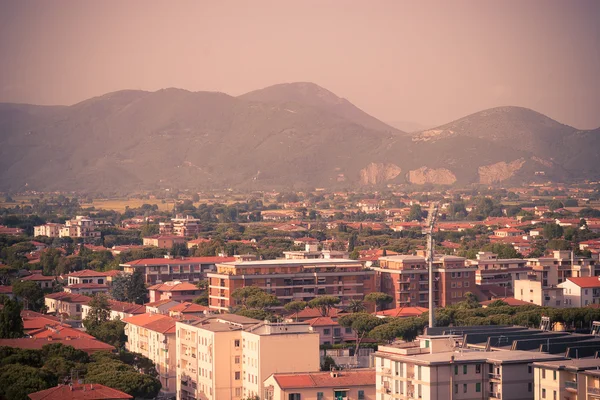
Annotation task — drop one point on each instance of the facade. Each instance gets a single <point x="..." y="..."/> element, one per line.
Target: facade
<point x="330" y="332"/>
<point x="229" y="356"/>
<point x="406" y="279"/>
<point x="174" y="290"/>
<point x="291" y="280"/>
<point x="161" y="306"/>
<point x="357" y="384"/>
<point x="562" y="265"/>
<point x="118" y="309"/>
<point x="50" y="229"/>
<point x="567" y="379"/>
<point x="66" y="304"/>
<point x="581" y="292"/>
<point x="81" y="227"/>
<point x="153" y="336"/>
<point x="43" y="281"/>
<point x="406" y="371"/>
<point x="532" y="291"/>
<point x="180" y="226"/>
<point x="88" y="289"/>
<point x="158" y="270"/>
<point x="163" y="241"/>
<point x="492" y="270"/>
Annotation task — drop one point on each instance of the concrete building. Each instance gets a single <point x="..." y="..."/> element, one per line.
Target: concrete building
<point x="180" y="226"/>
<point x="581" y="292"/>
<point x="153" y="336"/>
<point x="492" y="270"/>
<point x="312" y="251"/>
<point x="532" y="291"/>
<point x="406" y="279"/>
<point x="65" y="303"/>
<point x="290" y="280"/>
<point x="330" y="332"/>
<point x="158" y="270"/>
<point x="229" y="356"/>
<point x="174" y="290"/>
<point x="357" y="384"/>
<point x="562" y="265"/>
<point x="163" y="241"/>
<point x="50" y="229"/>
<point x="432" y="369"/>
<point x="567" y="379"/>
<point x="81" y="227"/>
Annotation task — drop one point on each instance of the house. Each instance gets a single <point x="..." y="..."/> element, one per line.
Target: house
<point x="80" y="343"/>
<point x="66" y="304"/>
<point x="58" y="331"/>
<point x="328" y="385"/>
<point x="330" y="332"/>
<point x="174" y="290"/>
<point x="118" y="309"/>
<point x="6" y="291"/>
<point x="180" y="226"/>
<point x="153" y="336"/>
<point x="164" y="241"/>
<point x="581" y="292"/>
<point x="45" y="282"/>
<point x="88" y="289"/>
<point x="50" y="230"/>
<point x="187" y="309"/>
<point x="161" y="306"/>
<point x="535" y="292"/>
<point x="86" y="276"/>
<point x="508" y="232"/>
<point x="80" y="391"/>
<point x="81" y="227"/>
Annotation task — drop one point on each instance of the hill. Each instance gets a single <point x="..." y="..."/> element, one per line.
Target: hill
<point x="285" y="136"/>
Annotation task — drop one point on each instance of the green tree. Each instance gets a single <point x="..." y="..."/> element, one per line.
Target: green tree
<point x="11" y="323"/>
<point x="361" y="324"/>
<point x="552" y="231"/>
<point x="328" y="364"/>
<point x="202" y="299"/>
<point x="380" y="299"/>
<point x="18" y="381"/>
<point x="99" y="312"/>
<point x="30" y="293"/>
<point x="132" y="383"/>
<point x="241" y="295"/>
<point x="416" y="213"/>
<point x="355" y="306"/>
<point x="295" y="307"/>
<point x="111" y="332"/>
<point x="324" y="304"/>
<point x="136" y="288"/>
<point x="497" y="303"/>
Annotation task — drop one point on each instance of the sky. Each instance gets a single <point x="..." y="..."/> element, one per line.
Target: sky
<point x="427" y="62"/>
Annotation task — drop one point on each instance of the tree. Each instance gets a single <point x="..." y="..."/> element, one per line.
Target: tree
<point x="111" y="332"/>
<point x="324" y="304"/>
<point x="295" y="307"/>
<point x="30" y="293"/>
<point x="131" y="382"/>
<point x="355" y="306"/>
<point x="497" y="303"/>
<point x="470" y="301"/>
<point x="118" y="289"/>
<point x="328" y="364"/>
<point x="262" y="301"/>
<point x="361" y="324"/>
<point x="552" y="231"/>
<point x="18" y="381"/>
<point x="416" y="213"/>
<point x="380" y="299"/>
<point x="352" y="241"/>
<point x="11" y="323"/>
<point x="242" y="295"/>
<point x="555" y="205"/>
<point x="136" y="289"/>
<point x="203" y="298"/>
<point x="99" y="312"/>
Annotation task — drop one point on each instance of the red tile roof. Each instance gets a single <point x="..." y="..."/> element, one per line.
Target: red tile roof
<point x="403" y="312"/>
<point x="87" y="273"/>
<point x="38" y="277"/>
<point x="88" y="286"/>
<point x="69" y="297"/>
<point x="321" y="321"/>
<point x="129" y="308"/>
<point x="364" y="377"/>
<point x="154" y="322"/>
<point x="586" y="282"/>
<point x="162" y="302"/>
<point x="308" y="313"/>
<point x="56" y="330"/>
<point x="5" y="289"/>
<point x="85" y="344"/>
<point x="188" y="307"/>
<point x="88" y="391"/>
<point x="174" y="287"/>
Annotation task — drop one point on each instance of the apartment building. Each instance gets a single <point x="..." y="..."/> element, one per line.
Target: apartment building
<point x="492" y="270"/>
<point x="330" y="331"/>
<point x="153" y="336"/>
<point x="158" y="270"/>
<point x="65" y="303"/>
<point x="118" y="309"/>
<point x="290" y="280"/>
<point x="433" y="369"/>
<point x="406" y="279"/>
<point x="562" y="265"/>
<point x="163" y="241"/>
<point x="180" y="226"/>
<point x="229" y="356"/>
<point x="174" y="290"/>
<point x="534" y="292"/>
<point x="81" y="227"/>
<point x="581" y="292"/>
<point x="43" y="281"/>
<point x="311" y="251"/>
<point x="567" y="379"/>
<point x="357" y="384"/>
<point x="50" y="229"/>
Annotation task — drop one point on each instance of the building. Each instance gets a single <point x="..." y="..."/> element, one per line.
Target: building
<point x="80" y="343"/>
<point x="174" y="290"/>
<point x="118" y="310"/>
<point x="567" y="379"/>
<point x="88" y="289"/>
<point x="163" y="241"/>
<point x="532" y="291"/>
<point x="86" y="276"/>
<point x="330" y="332"/>
<point x="508" y="232"/>
<point x="80" y="391"/>
<point x="356" y="384"/>
<point x="158" y="270"/>
<point x="492" y="270"/>
<point x="432" y="369"/>
<point x="562" y="265"/>
<point x="153" y="336"/>
<point x="187" y="310"/>
<point x="229" y="356"/>
<point x="180" y="226"/>
<point x="581" y="292"/>
<point x="81" y="227"/>
<point x="43" y="281"/>
<point x="406" y="279"/>
<point x="161" y="306"/>
<point x="312" y="251"/>
<point x="290" y="280"/>
<point x="50" y="229"/>
<point x="65" y="303"/>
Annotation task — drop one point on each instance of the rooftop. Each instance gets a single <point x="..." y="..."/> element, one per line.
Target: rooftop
<point x="154" y="322"/>
<point x="87" y="273"/>
<point x="85" y="344"/>
<point x="174" y="286"/>
<point x="356" y="377"/>
<point x="310" y="261"/>
<point x="88" y="391"/>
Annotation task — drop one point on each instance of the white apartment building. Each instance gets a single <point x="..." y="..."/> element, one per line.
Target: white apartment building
<point x="567" y="379"/>
<point x="229" y="356"/>
<point x="581" y="292"/>
<point x="532" y="291"/>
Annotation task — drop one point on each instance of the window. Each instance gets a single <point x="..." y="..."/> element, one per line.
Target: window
<point x="529" y="387"/>
<point x="478" y="387"/>
<point x="554" y="375"/>
<point x="419" y="394"/>
<point x="326" y="331"/>
<point x="554" y="395"/>
<point x="237" y="359"/>
<point x="466" y="284"/>
<point x="466" y="274"/>
<point x="477" y="368"/>
<point x="456" y="388"/>
<point x="543" y="374"/>
<point x="464" y="388"/>
<point x="319" y="395"/>
<point x="456" y="370"/>
<point x="543" y="393"/>
<point x="361" y="395"/>
<point x="464" y="369"/>
<point x="294" y="396"/>
<point x="238" y="392"/>
<point x="337" y="332"/>
<point x="237" y="375"/>
<point x="237" y="343"/>
<point x="529" y="368"/>
<point x="418" y="372"/>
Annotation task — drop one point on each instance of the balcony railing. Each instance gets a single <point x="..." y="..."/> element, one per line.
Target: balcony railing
<point x="571" y="385"/>
<point x="496" y="395"/>
<point x="593" y="390"/>
<point x="496" y="376"/>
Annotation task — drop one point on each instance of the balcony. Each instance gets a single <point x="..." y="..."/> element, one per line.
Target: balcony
<point x="495" y="377"/>
<point x="386" y="371"/>
<point x="593" y="391"/>
<point x="495" y="395"/>
<point x="571" y="386"/>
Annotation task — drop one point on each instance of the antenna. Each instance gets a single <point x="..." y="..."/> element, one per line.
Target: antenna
<point x="428" y="230"/>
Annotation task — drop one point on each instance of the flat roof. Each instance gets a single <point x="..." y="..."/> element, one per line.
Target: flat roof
<point x="467" y="356"/>
<point x="309" y="261"/>
<point x="571" y="365"/>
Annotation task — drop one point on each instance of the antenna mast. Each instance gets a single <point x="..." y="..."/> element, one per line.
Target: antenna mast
<point x="428" y="230"/>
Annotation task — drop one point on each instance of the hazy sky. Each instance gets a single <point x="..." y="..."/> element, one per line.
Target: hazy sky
<point x="428" y="62"/>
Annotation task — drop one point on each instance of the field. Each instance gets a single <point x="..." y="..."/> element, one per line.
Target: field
<point x="121" y="205"/>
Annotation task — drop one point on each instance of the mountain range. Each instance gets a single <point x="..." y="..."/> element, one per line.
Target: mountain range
<point x="294" y="136"/>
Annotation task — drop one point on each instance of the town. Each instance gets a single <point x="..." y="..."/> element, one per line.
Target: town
<point x="302" y="295"/>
